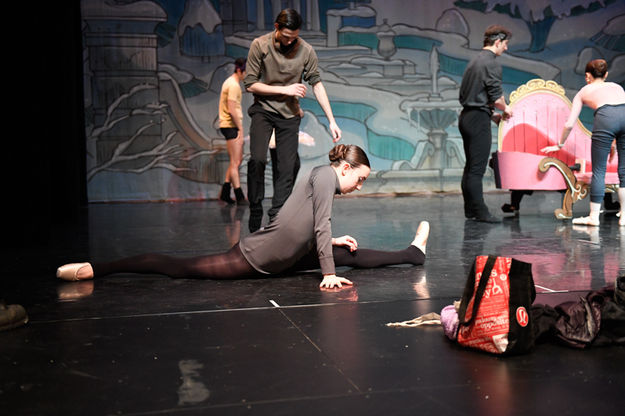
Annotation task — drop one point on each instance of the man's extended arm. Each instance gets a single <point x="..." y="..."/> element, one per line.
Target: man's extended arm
<point x="324" y="102"/>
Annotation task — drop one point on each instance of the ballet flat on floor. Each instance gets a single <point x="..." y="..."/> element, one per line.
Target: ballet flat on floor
<point x="586" y="221"/>
<point x="423" y="231"/>
<point x="70" y="272"/>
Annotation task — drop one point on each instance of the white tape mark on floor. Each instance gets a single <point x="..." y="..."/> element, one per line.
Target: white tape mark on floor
<point x="550" y="290"/>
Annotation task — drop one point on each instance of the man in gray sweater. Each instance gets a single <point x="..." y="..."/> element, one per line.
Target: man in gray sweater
<point x="277" y="64"/>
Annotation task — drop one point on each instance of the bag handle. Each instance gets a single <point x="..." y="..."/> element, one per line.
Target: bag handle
<point x="479" y="293"/>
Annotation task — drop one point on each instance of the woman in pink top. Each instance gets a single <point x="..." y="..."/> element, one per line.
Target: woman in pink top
<point x="608" y="101"/>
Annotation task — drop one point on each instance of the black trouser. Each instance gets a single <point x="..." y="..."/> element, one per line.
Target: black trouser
<point x="516" y="196"/>
<point x="286" y="131"/>
<point x="274" y="166"/>
<point x="474" y="125"/>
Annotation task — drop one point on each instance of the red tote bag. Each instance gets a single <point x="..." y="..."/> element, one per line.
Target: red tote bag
<point x="494" y="312"/>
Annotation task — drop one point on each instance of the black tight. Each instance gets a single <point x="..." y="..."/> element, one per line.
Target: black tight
<point x="228" y="265"/>
<point x="232" y="264"/>
<point x="368" y="259"/>
<point x="363" y="258"/>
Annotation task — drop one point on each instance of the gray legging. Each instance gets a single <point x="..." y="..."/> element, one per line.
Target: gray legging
<point x="232" y="264"/>
<point x="609" y="125"/>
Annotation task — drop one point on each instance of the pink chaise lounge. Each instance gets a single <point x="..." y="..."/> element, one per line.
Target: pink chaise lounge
<point x="540" y="110"/>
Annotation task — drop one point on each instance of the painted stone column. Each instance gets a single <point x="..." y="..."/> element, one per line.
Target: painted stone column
<point x="233" y="16"/>
<point x="122" y="49"/>
<point x="312" y="16"/>
<point x="260" y="14"/>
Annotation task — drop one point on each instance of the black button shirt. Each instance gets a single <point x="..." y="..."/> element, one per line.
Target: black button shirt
<point x="481" y="82"/>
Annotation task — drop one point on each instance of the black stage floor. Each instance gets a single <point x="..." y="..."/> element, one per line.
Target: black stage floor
<point x="143" y="345"/>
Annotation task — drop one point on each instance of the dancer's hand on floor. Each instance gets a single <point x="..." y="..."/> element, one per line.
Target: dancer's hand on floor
<point x="331" y="280"/>
<point x="347" y="241"/>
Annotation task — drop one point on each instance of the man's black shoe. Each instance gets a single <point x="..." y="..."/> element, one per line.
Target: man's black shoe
<point x="255" y="222"/>
<point x="488" y="218"/>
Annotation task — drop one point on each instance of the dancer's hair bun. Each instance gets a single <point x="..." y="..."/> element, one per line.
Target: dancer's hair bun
<point x="337" y="153"/>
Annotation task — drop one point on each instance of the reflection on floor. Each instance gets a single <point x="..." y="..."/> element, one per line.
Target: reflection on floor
<point x="132" y="344"/>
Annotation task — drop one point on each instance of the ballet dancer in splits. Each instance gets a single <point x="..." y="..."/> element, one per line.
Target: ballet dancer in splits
<point x="300" y="238"/>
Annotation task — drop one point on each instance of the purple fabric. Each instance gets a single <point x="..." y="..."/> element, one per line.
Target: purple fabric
<point x="449" y="321"/>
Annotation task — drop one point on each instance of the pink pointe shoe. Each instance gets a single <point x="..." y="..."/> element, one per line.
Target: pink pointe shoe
<point x="75" y="271"/>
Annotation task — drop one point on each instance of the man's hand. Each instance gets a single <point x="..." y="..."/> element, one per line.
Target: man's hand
<point x="295" y="90"/>
<point x="550" y="149"/>
<point x="507" y="113"/>
<point x="336" y="132"/>
<point x="347" y="241"/>
<point x="331" y="280"/>
<point x="496" y="118"/>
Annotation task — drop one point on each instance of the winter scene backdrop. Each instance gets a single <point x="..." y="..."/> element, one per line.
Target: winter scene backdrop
<point x="392" y="68"/>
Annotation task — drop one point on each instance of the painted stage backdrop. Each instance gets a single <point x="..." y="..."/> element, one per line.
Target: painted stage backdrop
<point x="392" y="68"/>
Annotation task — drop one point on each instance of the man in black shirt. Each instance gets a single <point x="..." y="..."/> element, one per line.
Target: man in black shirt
<point x="480" y="93"/>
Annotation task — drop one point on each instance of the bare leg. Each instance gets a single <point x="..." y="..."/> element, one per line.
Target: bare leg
<point x="235" y="154"/>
